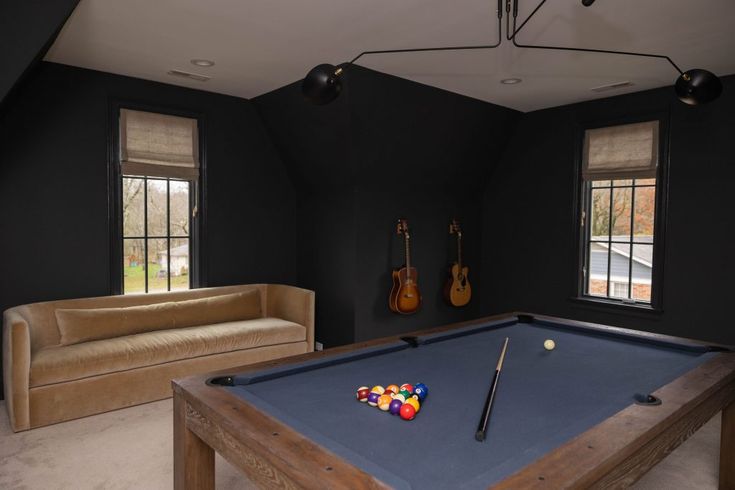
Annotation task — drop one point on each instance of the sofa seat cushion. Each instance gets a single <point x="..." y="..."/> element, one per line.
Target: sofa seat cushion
<point x="66" y="363"/>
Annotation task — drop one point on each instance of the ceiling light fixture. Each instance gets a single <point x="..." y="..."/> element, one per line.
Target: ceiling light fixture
<point x="324" y="82"/>
<point x="203" y="63"/>
<point x="510" y="81"/>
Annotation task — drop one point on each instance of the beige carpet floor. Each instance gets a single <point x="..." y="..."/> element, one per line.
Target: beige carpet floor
<point x="132" y="449"/>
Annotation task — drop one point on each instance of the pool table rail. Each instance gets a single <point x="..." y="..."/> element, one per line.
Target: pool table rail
<point x="621" y="449"/>
<point x="612" y="454"/>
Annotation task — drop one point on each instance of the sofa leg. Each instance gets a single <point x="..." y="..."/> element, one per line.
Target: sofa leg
<point x="193" y="458"/>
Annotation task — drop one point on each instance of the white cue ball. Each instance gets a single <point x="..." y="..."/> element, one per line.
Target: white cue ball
<point x="549" y="344"/>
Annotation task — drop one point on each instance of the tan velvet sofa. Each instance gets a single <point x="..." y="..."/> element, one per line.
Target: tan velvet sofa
<point x="72" y="358"/>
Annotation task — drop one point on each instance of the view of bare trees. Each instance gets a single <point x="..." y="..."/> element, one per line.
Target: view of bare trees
<point x="133" y="209"/>
<point x="167" y="204"/>
<point x="642" y="196"/>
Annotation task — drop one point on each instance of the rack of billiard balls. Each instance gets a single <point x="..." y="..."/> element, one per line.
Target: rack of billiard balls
<point x="404" y="400"/>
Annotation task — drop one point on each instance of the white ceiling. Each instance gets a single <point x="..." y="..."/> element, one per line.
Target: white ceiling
<point x="261" y="45"/>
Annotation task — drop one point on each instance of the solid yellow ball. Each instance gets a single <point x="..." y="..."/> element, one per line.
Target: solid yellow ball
<point x="549" y="344"/>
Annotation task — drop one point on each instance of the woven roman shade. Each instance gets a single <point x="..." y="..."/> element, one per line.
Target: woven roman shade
<point x="629" y="151"/>
<point x="158" y="145"/>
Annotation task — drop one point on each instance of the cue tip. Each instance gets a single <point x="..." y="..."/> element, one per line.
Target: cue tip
<point x="480" y="435"/>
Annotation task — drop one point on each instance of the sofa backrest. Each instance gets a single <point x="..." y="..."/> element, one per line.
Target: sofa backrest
<point x="44" y="330"/>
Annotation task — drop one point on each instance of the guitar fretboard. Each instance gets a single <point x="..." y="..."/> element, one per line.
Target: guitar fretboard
<point x="407" y="240"/>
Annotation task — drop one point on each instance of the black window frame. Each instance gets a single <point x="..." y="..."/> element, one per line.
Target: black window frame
<point x="581" y="227"/>
<point x="197" y="196"/>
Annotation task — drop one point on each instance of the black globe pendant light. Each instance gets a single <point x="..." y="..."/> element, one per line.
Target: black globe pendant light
<point x="697" y="86"/>
<point x="322" y="84"/>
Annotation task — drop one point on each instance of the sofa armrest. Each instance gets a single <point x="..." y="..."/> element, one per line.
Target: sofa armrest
<point x="16" y="368"/>
<point x="292" y="304"/>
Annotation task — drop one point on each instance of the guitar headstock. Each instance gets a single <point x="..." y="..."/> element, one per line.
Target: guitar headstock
<point x="455" y="228"/>
<point x="402" y="227"/>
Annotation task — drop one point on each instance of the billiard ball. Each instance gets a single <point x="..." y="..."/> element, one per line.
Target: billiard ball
<point x="392" y="388"/>
<point x="373" y="399"/>
<point x="421" y="390"/>
<point x="405" y="393"/>
<point x="549" y="344"/>
<point x="407" y="411"/>
<point x="395" y="407"/>
<point x="377" y="389"/>
<point x="362" y="393"/>
<point x="414" y="403"/>
<point x="399" y="397"/>
<point x="384" y="402"/>
<point x="407" y="387"/>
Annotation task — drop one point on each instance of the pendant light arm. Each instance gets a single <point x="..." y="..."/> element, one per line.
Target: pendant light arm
<point x="509" y="36"/>
<point x="447" y="48"/>
<point x="590" y="50"/>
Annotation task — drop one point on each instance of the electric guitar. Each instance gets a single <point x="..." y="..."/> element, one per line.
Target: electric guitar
<point x="405" y="297"/>
<point x="457" y="290"/>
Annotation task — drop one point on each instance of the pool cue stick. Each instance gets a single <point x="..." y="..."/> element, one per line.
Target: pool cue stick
<point x="482" y="427"/>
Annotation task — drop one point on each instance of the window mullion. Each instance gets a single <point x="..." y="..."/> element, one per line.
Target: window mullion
<point x="168" y="234"/>
<point x="630" y="258"/>
<point x="145" y="231"/>
<point x="609" y="241"/>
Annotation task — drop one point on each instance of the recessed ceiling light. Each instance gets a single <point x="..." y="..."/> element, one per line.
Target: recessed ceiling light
<point x="510" y="81"/>
<point x="203" y="63"/>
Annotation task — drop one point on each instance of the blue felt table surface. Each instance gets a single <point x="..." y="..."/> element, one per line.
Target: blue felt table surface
<point x="543" y="399"/>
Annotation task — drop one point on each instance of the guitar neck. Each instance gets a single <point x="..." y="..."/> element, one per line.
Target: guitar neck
<point x="407" y="240"/>
<point x="459" y="251"/>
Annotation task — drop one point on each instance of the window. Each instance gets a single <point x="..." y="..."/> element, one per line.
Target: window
<point x="620" y="213"/>
<point x="157" y="179"/>
<point x="156" y="234"/>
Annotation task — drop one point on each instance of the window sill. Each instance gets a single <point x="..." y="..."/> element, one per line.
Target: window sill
<point x="601" y="304"/>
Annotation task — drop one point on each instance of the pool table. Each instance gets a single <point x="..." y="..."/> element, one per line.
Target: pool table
<point x="597" y="411"/>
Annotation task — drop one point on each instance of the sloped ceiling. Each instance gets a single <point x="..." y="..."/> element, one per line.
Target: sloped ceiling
<point x="260" y="45"/>
<point x="27" y="29"/>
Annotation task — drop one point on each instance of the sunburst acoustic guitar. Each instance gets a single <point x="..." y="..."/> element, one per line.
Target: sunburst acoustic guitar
<point x="405" y="297"/>
<point x="457" y="290"/>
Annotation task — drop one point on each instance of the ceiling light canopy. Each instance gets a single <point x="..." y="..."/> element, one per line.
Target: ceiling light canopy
<point x="510" y="81"/>
<point x="697" y="86"/>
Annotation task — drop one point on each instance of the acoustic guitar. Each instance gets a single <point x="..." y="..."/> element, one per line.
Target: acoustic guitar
<point x="405" y="297"/>
<point x="457" y="290"/>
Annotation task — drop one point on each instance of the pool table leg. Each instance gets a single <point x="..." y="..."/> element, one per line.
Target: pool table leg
<point x="727" y="448"/>
<point x="193" y="458"/>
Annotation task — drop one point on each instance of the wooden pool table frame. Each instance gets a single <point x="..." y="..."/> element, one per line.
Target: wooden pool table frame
<point x="612" y="454"/>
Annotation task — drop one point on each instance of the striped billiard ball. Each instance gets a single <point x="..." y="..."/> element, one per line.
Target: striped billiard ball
<point x="373" y="399"/>
<point x="362" y="393"/>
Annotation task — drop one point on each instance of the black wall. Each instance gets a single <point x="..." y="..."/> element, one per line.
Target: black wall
<point x="310" y="196"/>
<point x="27" y="30"/>
<point x="530" y="233"/>
<point x="54" y="186"/>
<point x="387" y="148"/>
